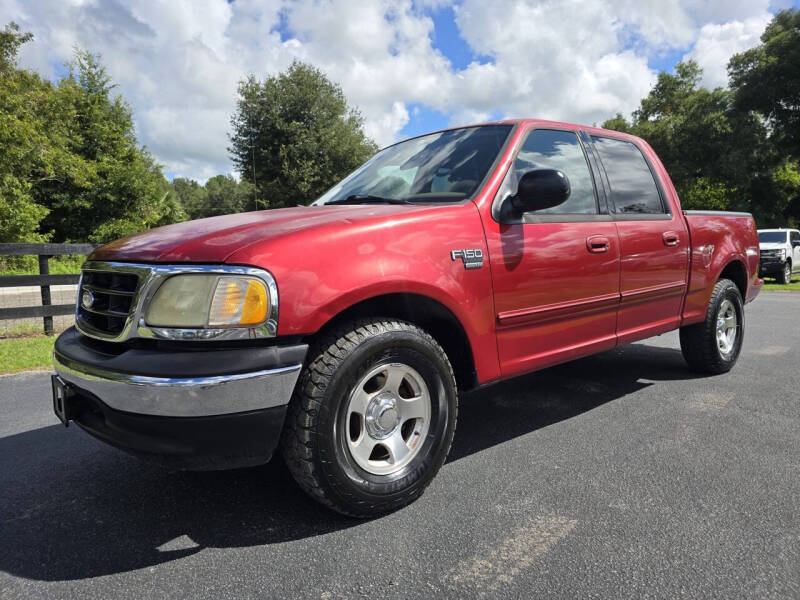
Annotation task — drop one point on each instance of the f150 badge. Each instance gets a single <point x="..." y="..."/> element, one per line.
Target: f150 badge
<point x="472" y="257"/>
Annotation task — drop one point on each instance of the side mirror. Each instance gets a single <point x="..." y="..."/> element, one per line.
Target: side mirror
<point x="540" y="189"/>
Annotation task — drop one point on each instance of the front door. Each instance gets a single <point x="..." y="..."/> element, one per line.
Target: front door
<point x="654" y="243"/>
<point x="556" y="271"/>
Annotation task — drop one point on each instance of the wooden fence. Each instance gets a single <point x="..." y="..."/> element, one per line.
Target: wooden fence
<point x="44" y="280"/>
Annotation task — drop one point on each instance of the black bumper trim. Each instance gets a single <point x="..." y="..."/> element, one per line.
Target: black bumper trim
<point x="193" y="443"/>
<point x="177" y="363"/>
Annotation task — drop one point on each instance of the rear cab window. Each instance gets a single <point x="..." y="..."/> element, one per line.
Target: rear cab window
<point x="634" y="190"/>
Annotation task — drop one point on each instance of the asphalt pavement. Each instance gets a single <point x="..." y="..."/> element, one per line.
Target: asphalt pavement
<point x="621" y="475"/>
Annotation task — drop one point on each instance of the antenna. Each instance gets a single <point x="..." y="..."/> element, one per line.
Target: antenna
<point x="253" y="149"/>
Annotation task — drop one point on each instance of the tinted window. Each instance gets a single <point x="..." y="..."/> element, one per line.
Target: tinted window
<point x="772" y="237"/>
<point x="633" y="189"/>
<point x="795" y="236"/>
<point x="550" y="149"/>
<point x="441" y="167"/>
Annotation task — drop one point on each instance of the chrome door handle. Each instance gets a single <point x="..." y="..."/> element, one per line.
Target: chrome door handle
<point x="671" y="238"/>
<point x="597" y="244"/>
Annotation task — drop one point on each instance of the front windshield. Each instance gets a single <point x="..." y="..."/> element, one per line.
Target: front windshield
<point x="441" y="167"/>
<point x="772" y="237"/>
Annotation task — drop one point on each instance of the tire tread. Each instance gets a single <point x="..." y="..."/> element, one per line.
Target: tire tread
<point x="698" y="341"/>
<point x="297" y="441"/>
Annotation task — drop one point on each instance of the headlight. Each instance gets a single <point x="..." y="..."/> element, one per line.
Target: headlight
<point x="782" y="253"/>
<point x="200" y="300"/>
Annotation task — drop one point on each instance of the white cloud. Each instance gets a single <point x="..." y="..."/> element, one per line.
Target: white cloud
<point x="717" y="43"/>
<point x="380" y="52"/>
<point x="557" y="60"/>
<point x="178" y="62"/>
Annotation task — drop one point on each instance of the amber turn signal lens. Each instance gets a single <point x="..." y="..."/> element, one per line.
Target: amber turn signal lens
<point x="238" y="301"/>
<point x="254" y="310"/>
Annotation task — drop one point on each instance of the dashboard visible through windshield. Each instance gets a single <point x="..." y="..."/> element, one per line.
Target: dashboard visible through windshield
<point x="441" y="167"/>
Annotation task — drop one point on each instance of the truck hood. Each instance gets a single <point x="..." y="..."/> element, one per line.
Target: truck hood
<point x="772" y="246"/>
<point x="214" y="239"/>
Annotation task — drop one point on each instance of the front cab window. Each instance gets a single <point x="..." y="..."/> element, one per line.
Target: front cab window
<point x="550" y="149"/>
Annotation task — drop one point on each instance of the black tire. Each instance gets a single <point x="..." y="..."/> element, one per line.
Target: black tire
<point x="699" y="342"/>
<point x="785" y="275"/>
<point x="314" y="441"/>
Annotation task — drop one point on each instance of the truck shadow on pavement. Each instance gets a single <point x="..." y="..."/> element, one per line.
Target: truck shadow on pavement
<point x="73" y="508"/>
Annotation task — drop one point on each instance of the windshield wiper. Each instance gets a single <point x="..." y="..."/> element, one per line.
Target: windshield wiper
<point x="368" y="199"/>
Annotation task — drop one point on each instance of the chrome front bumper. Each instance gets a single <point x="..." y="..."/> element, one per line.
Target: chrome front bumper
<point x="179" y="381"/>
<point x="182" y="396"/>
<point x="185" y="406"/>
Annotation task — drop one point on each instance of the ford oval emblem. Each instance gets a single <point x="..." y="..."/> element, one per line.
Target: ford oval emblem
<point x="87" y="299"/>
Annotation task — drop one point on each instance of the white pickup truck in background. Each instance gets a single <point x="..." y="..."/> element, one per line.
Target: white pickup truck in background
<point x="780" y="253"/>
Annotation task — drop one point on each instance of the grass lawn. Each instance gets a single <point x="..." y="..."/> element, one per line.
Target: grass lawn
<point x="24" y="354"/>
<point x="794" y="286"/>
<point x="29" y="265"/>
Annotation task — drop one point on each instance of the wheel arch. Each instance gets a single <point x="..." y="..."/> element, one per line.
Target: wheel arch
<point x="429" y="314"/>
<point x="736" y="271"/>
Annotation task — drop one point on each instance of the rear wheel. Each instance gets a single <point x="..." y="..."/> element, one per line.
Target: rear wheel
<point x="785" y="275"/>
<point x="713" y="346"/>
<point x="372" y="417"/>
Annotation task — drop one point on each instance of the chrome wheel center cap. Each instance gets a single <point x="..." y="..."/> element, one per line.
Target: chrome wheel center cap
<point x="381" y="417"/>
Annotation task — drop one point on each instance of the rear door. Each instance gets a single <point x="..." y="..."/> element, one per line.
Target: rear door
<point x="555" y="272"/>
<point x="654" y="242"/>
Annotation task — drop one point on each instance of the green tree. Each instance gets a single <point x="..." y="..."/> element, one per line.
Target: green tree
<point x="703" y="193"/>
<point x="226" y="195"/>
<point x="11" y="38"/>
<point x="20" y="215"/>
<point x="718" y="156"/>
<point x="618" y="123"/>
<point x="193" y="197"/>
<point x="221" y="195"/>
<point x="766" y="79"/>
<point x="70" y="166"/>
<point x="114" y="187"/>
<point x="294" y="136"/>
<point x="28" y="130"/>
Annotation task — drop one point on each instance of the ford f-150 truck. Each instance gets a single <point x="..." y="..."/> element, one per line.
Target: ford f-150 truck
<point x="344" y="331"/>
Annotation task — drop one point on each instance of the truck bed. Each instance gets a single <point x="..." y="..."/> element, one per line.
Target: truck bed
<point x="721" y="242"/>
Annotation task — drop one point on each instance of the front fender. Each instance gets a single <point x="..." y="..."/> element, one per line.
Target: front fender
<point x="323" y="271"/>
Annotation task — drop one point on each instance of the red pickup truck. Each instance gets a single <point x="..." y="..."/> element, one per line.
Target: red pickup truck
<point x="344" y="331"/>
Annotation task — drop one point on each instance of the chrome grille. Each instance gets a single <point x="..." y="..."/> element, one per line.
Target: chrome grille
<point x="109" y="301"/>
<point x="120" y="292"/>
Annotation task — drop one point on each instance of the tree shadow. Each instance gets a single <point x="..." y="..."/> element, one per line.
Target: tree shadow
<point x="73" y="508"/>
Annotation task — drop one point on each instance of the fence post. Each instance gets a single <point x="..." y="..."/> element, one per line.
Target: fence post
<point x="44" y="269"/>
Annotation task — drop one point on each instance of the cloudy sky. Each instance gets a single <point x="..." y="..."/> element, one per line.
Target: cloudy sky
<point x="409" y="66"/>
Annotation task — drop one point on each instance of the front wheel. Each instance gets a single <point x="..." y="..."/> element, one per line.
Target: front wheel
<point x="372" y="417"/>
<point x="785" y="276"/>
<point x="713" y="346"/>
